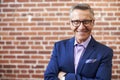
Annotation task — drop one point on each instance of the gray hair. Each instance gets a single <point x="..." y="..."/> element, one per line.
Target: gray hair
<point x="82" y="6"/>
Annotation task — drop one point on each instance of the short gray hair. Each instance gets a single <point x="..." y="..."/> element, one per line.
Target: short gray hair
<point x="82" y="6"/>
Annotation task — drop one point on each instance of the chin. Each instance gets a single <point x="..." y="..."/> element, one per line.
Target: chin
<point x="82" y="38"/>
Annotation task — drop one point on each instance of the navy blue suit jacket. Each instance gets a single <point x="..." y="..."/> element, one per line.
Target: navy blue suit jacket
<point x="95" y="64"/>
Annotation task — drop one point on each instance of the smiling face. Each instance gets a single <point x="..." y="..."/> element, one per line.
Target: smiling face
<point x="81" y="22"/>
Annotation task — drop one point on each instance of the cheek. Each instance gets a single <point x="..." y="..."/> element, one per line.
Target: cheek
<point x="90" y="28"/>
<point x="72" y="27"/>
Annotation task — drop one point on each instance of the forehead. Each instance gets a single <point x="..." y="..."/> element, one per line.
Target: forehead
<point x="80" y="14"/>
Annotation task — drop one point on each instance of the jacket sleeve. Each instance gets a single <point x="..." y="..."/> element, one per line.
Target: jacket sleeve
<point x="52" y="70"/>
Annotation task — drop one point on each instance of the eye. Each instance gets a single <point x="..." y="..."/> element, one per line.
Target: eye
<point x="75" y="22"/>
<point x="87" y="21"/>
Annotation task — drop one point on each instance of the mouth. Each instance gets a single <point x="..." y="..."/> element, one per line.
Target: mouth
<point x="83" y="31"/>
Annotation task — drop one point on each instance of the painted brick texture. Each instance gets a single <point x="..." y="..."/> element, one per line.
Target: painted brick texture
<point x="29" y="28"/>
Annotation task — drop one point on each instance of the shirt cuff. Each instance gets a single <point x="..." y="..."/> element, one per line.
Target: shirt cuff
<point x="63" y="78"/>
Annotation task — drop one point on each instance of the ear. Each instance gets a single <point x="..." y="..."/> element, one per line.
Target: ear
<point x="93" y="22"/>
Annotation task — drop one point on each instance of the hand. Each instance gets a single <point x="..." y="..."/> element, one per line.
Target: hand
<point x="61" y="75"/>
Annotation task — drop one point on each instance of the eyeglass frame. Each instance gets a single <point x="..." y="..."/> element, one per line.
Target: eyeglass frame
<point x="83" y="22"/>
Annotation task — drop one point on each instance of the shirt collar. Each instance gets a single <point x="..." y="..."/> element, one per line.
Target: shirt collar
<point x="85" y="43"/>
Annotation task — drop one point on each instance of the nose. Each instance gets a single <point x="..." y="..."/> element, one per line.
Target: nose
<point x="81" y="26"/>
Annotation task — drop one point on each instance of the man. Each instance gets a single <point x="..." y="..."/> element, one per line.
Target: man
<point x="81" y="57"/>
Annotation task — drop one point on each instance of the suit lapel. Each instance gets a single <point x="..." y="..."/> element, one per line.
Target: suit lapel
<point x="70" y="51"/>
<point x="90" y="48"/>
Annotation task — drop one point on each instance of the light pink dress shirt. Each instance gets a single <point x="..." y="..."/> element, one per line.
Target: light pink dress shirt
<point x="79" y="50"/>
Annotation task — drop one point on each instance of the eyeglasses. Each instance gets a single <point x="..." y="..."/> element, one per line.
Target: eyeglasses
<point x="77" y="23"/>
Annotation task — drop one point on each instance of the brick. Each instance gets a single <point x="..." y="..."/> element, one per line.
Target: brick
<point x="2" y="43"/>
<point x="117" y="14"/>
<point x="10" y="75"/>
<point x="30" y="52"/>
<point x="37" y="76"/>
<point x="8" y="0"/>
<point x="101" y="4"/>
<point x="51" y="38"/>
<point x="51" y="19"/>
<point x="15" y="33"/>
<point x="43" y="62"/>
<point x="21" y="19"/>
<point x="9" y="71"/>
<point x="37" y="28"/>
<point x="51" y="28"/>
<point x="22" y="29"/>
<point x="37" y="47"/>
<point x="115" y="23"/>
<point x="15" y="52"/>
<point x="8" y="29"/>
<point x="30" y="33"/>
<point x="50" y="0"/>
<point x="36" y="0"/>
<point x="37" y="57"/>
<point x="22" y="47"/>
<point x="37" y="9"/>
<point x="16" y="71"/>
<point x="4" y="61"/>
<point x="3" y="24"/>
<point x="38" y="66"/>
<point x="2" y="15"/>
<point x="8" y="10"/>
<point x="16" y="61"/>
<point x="44" y="24"/>
<point x="22" y="38"/>
<point x="115" y="33"/>
<point x="13" y="15"/>
<point x="36" y="38"/>
<point x="15" y="24"/>
<point x="23" y="0"/>
<point x="51" y="9"/>
<point x="58" y="23"/>
<point x="115" y="4"/>
<point x="2" y="71"/>
<point x="8" y="47"/>
<point x="102" y="23"/>
<point x="110" y="9"/>
<point x="9" y="66"/>
<point x="58" y="33"/>
<point x="23" y="71"/>
<point x="29" y="24"/>
<point x="57" y="4"/>
<point x="29" y="5"/>
<point x="111" y="19"/>
<point x="21" y="76"/>
<point x="9" y="56"/>
<point x="31" y="71"/>
<point x="3" y="52"/>
<point x="44" y="52"/>
<point x="23" y="66"/>
<point x="29" y="61"/>
<point x="37" y="19"/>
<point x="23" y="57"/>
<point x="22" y="10"/>
<point x="15" y="5"/>
<point x="64" y="9"/>
<point x="3" y="5"/>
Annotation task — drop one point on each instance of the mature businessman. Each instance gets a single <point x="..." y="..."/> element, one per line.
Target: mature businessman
<point x="81" y="57"/>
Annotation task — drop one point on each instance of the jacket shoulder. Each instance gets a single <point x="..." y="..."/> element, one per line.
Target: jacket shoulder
<point x="65" y="41"/>
<point x="103" y="46"/>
